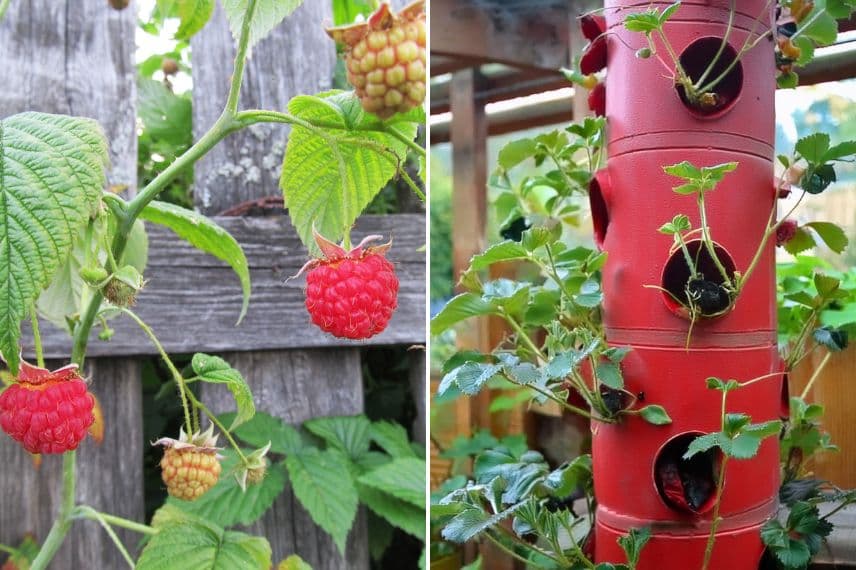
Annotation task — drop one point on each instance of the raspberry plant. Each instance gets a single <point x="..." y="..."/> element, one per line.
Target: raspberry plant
<point x="75" y="252"/>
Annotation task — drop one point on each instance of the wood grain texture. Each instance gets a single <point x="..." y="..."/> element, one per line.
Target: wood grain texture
<point x="74" y="57"/>
<point x="192" y="300"/>
<point x="296" y="386"/>
<point x="297" y="58"/>
<point x="109" y="475"/>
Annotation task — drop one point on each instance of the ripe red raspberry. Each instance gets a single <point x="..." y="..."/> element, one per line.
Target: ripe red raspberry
<point x="190" y="466"/>
<point x="786" y="232"/>
<point x="47" y="412"/>
<point x="351" y="294"/>
<point x="385" y="59"/>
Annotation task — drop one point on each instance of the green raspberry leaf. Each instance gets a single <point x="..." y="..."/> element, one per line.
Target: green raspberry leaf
<point x="348" y="434"/>
<point x="51" y="178"/>
<point x="330" y="174"/>
<point x="322" y="483"/>
<point x="226" y="504"/>
<point x="203" y="234"/>
<point x="215" y="370"/>
<point x="268" y="15"/>
<point x="187" y="541"/>
<point x="402" y="478"/>
<point x="193" y="14"/>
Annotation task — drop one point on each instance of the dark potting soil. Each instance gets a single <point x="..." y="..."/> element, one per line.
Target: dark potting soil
<point x="710" y="297"/>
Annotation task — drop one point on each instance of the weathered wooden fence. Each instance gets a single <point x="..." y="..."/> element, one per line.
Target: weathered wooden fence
<point x="76" y="57"/>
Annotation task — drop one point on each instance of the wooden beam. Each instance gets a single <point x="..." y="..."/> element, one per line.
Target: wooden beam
<point x="832" y="67"/>
<point x="192" y="300"/>
<point x="461" y="29"/>
<point x="501" y="87"/>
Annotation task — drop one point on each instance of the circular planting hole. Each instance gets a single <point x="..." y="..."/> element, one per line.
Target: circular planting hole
<point x="599" y="212"/>
<point x="707" y="291"/>
<point x="686" y="485"/>
<point x="695" y="60"/>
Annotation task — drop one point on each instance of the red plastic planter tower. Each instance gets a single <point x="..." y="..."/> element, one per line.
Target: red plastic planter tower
<point x="648" y="127"/>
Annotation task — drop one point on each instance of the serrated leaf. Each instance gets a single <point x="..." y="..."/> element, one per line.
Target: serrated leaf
<point x="813" y="147"/>
<point x="215" y="370"/>
<point x="226" y="504"/>
<point x="323" y="485"/>
<point x="392" y="438"/>
<point x="403" y="478"/>
<point x="348" y="434"/>
<point x="268" y="15"/>
<point x="471" y="522"/>
<point x="801" y="241"/>
<point x="503" y="251"/>
<point x="842" y="150"/>
<point x="264" y="428"/>
<point x="516" y="152"/>
<point x="293" y="562"/>
<point x="165" y="115"/>
<point x="203" y="234"/>
<point x="186" y="541"/>
<point x="330" y="175"/>
<point x="193" y="15"/>
<point x="461" y="307"/>
<point x="51" y="177"/>
<point x="831" y="234"/>
<point x="703" y="443"/>
<point x="401" y="514"/>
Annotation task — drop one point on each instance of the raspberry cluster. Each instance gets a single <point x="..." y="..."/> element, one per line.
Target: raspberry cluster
<point x="47" y="412"/>
<point x="385" y="59"/>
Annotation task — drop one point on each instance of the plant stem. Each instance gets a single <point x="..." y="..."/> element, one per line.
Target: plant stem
<point x="413" y="186"/>
<point x="37" y="336"/>
<point x="411" y="144"/>
<point x="687" y="257"/>
<point x="62" y="524"/>
<point x="176" y="375"/>
<point x="720" y="487"/>
<point x="87" y="512"/>
<point x="714" y="523"/>
<point x="95" y="515"/>
<point x="517" y="539"/>
<point x="815" y="375"/>
<point x="712" y="64"/>
<point x="221" y="427"/>
<point x="708" y="241"/>
<point x="240" y="60"/>
<point x="521" y="334"/>
<point x="505" y="548"/>
<point x="8" y="550"/>
<point x="4" y="5"/>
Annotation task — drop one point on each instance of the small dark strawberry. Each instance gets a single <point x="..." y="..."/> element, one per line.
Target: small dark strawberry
<point x="786" y="232"/>
<point x="597" y="100"/>
<point x="592" y="26"/>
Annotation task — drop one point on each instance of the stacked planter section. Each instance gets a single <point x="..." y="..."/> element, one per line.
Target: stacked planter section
<point x="648" y="127"/>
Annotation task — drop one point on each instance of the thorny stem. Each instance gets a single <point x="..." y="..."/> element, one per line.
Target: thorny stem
<point x="411" y="144"/>
<point x="87" y="512"/>
<point x="37" y="337"/>
<point x="176" y="375"/>
<point x="815" y="375"/>
<point x="521" y="334"/>
<point x="62" y="524"/>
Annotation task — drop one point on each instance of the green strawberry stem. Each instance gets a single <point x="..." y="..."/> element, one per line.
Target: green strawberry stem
<point x="37" y="336"/>
<point x="708" y="242"/>
<point x="720" y="486"/>
<point x="815" y="375"/>
<point x="721" y="49"/>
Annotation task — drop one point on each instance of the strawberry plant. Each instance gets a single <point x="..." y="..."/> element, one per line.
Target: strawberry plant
<point x="565" y="337"/>
<point x="74" y="252"/>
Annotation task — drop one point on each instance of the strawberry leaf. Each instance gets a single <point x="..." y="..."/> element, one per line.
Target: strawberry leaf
<point x="51" y="177"/>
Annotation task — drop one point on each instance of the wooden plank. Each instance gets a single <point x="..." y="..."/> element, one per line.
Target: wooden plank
<point x="296" y="386"/>
<point x="297" y="58"/>
<point x="536" y="38"/>
<point x="192" y="300"/>
<point x="76" y="57"/>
